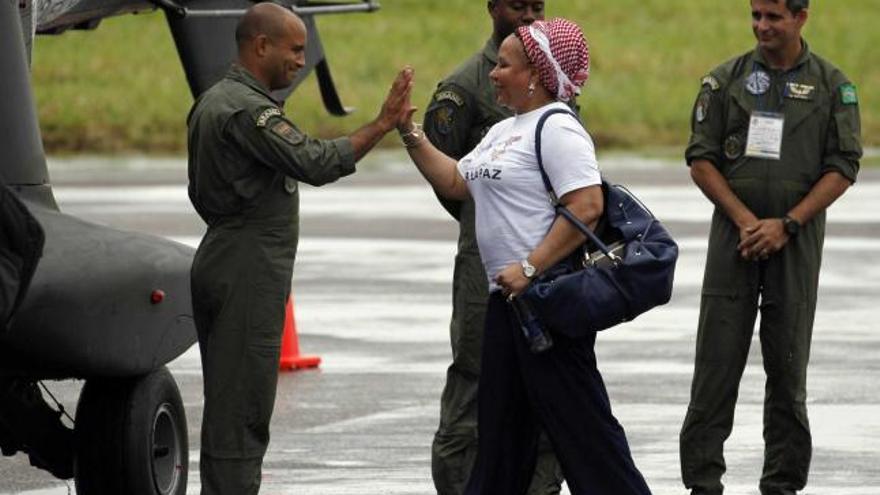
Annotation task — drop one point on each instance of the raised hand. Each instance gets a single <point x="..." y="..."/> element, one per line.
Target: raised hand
<point x="397" y="103"/>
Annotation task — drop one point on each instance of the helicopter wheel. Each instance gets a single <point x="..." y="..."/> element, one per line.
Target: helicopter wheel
<point x="131" y="437"/>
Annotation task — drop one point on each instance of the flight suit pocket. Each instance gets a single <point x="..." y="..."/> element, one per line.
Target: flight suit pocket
<point x="739" y="112"/>
<point x="467" y="339"/>
<point x="725" y="327"/>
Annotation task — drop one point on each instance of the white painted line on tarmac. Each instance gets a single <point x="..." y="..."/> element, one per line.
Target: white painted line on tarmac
<point x="668" y="203"/>
<point x="384" y="418"/>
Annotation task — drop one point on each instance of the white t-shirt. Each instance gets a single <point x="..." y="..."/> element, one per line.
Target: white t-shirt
<point x="513" y="209"/>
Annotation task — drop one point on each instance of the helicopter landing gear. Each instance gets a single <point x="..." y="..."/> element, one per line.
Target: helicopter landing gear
<point x="131" y="437"/>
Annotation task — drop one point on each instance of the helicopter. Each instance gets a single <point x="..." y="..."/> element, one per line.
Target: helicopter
<point x="85" y="301"/>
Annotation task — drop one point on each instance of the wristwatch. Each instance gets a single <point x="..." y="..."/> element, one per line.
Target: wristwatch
<point x="791" y="226"/>
<point x="529" y="269"/>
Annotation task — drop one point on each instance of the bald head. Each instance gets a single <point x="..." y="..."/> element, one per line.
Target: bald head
<point x="271" y="44"/>
<point x="266" y="19"/>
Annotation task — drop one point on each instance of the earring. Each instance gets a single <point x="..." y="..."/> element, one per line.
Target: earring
<point x="531" y="89"/>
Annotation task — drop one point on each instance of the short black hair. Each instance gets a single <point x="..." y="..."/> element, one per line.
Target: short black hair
<point x="796" y="6"/>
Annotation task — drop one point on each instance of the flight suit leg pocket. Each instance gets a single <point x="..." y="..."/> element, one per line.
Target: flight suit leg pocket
<point x="786" y="334"/>
<point x="785" y="339"/>
<point x="262" y="351"/>
<point x="467" y="339"/>
<point x="725" y="327"/>
<point x="723" y="338"/>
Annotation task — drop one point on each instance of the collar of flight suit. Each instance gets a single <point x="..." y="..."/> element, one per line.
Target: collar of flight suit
<point x="758" y="57"/>
<point x="490" y="51"/>
<point x="240" y="74"/>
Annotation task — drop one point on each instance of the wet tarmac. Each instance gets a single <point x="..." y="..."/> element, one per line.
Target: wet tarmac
<point x="372" y="291"/>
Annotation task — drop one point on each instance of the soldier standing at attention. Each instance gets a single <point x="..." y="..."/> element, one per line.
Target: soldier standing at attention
<point x="776" y="140"/>
<point x="245" y="161"/>
<point x="460" y="113"/>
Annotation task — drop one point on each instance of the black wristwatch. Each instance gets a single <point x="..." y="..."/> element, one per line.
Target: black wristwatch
<point x="791" y="226"/>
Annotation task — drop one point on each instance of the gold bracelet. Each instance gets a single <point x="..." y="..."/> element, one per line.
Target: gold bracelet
<point x="413" y="138"/>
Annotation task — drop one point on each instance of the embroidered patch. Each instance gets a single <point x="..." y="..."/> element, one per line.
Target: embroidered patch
<point x="848" y="95"/>
<point x="444" y="118"/>
<point x="758" y="82"/>
<point x="286" y="132"/>
<point x="733" y="147"/>
<point x="711" y="82"/>
<point x="450" y="96"/>
<point x="799" y="91"/>
<point x="702" y="109"/>
<point x="267" y="114"/>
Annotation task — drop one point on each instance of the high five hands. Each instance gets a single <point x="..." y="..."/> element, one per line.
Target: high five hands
<point x="397" y="108"/>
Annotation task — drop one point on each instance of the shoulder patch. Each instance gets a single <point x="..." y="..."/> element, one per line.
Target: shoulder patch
<point x="848" y="95"/>
<point x="286" y="132"/>
<point x="701" y="110"/>
<point x="267" y="114"/>
<point x="443" y="118"/>
<point x="450" y="96"/>
<point x="711" y="82"/>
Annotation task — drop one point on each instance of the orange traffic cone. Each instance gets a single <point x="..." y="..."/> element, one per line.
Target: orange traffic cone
<point x="290" y="357"/>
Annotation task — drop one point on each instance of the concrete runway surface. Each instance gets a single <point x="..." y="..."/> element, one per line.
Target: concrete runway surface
<point x="372" y="298"/>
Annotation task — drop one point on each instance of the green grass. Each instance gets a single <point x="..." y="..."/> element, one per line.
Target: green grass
<point x="121" y="87"/>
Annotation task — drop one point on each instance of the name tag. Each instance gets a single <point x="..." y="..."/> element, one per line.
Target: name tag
<point x="765" y="135"/>
<point x="799" y="91"/>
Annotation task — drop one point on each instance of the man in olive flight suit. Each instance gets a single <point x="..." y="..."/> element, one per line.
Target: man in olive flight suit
<point x="461" y="111"/>
<point x="776" y="140"/>
<point x="245" y="160"/>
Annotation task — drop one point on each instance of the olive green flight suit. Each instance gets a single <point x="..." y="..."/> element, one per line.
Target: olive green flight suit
<point x="245" y="159"/>
<point x="821" y="134"/>
<point x="460" y="113"/>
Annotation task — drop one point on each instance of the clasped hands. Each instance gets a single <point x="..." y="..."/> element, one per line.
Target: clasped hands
<point x="762" y="238"/>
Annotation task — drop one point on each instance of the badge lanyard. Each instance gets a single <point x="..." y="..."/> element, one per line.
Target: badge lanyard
<point x="765" y="126"/>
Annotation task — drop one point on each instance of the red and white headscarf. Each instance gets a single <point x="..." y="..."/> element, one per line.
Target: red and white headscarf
<point x="560" y="52"/>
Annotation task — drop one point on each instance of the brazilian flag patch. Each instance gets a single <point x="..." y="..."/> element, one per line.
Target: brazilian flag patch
<point x="848" y="95"/>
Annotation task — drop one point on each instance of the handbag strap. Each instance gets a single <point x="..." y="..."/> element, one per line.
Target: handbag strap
<point x="560" y="208"/>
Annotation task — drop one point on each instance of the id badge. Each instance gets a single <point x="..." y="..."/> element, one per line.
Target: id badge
<point x="765" y="135"/>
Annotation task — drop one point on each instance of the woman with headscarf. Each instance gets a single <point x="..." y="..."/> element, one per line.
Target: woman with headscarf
<point x="540" y="67"/>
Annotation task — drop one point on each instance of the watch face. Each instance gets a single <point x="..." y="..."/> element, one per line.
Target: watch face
<point x="791" y="226"/>
<point x="528" y="269"/>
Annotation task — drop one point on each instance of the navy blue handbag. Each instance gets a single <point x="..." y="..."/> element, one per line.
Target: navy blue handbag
<point x="627" y="274"/>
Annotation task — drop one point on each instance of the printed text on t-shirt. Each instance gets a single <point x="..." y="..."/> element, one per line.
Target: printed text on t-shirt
<point x="497" y="150"/>
<point x="483" y="173"/>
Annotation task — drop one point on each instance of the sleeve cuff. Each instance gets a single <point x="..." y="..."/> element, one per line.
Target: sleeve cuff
<point x="712" y="158"/>
<point x="844" y="167"/>
<point x="580" y="184"/>
<point x="346" y="155"/>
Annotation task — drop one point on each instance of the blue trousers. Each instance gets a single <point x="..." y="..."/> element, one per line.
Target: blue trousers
<point x="562" y="391"/>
